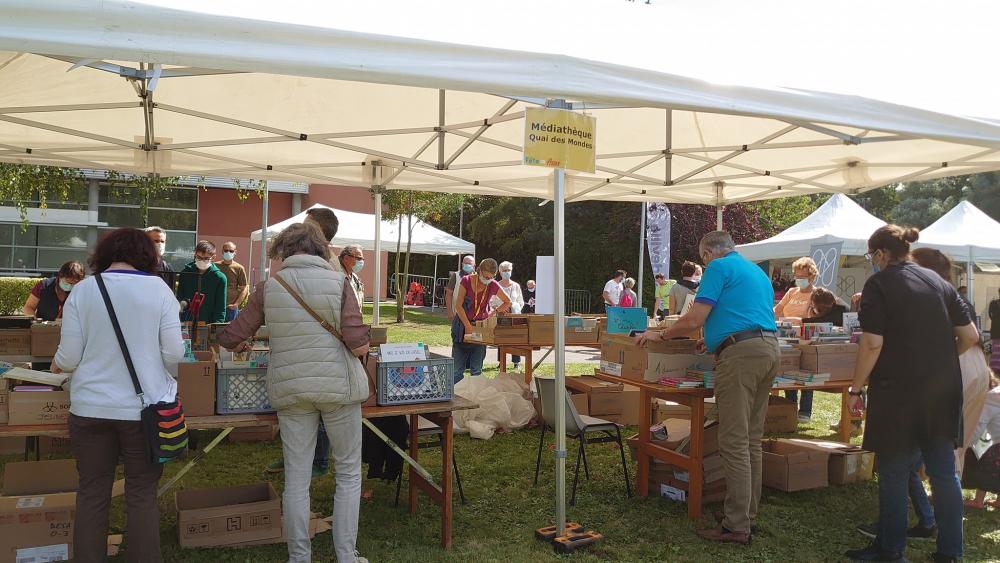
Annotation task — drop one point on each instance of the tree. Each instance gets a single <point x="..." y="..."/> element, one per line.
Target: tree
<point x="922" y="203"/>
<point x="984" y="193"/>
<point x="880" y="202"/>
<point x="776" y="215"/>
<point x="22" y="184"/>
<point x="412" y="206"/>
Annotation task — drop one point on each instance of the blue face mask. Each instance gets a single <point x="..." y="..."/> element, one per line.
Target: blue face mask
<point x="228" y="255"/>
<point x="358" y="266"/>
<point x="67" y="287"/>
<point x="505" y="275"/>
<point x="467" y="268"/>
<point x="871" y="258"/>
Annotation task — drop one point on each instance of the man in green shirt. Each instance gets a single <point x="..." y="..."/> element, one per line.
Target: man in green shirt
<point x="202" y="277"/>
<point x="662" y="293"/>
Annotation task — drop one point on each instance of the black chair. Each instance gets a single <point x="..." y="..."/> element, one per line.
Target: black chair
<point x="428" y="428"/>
<point x="577" y="426"/>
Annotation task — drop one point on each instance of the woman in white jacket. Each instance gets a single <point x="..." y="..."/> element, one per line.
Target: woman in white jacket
<point x="104" y="420"/>
<point x="312" y="374"/>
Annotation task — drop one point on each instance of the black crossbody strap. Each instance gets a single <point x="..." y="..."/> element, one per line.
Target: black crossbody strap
<point x="121" y="337"/>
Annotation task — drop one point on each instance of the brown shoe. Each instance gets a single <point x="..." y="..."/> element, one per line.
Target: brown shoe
<point x="722" y="535"/>
<point x="720" y="516"/>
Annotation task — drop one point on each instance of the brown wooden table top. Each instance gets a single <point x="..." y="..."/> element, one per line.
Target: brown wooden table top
<point x="839" y="385"/>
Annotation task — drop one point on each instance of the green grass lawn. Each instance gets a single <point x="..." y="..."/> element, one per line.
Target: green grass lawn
<point x="504" y="509"/>
<point x="433" y="329"/>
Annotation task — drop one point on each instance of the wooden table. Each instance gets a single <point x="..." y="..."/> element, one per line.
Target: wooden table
<point x="647" y="450"/>
<point x="438" y="413"/>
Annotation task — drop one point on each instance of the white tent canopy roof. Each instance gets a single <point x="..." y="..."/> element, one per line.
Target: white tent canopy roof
<point x="242" y="98"/>
<point x="840" y="219"/>
<point x="359" y="228"/>
<point x="964" y="234"/>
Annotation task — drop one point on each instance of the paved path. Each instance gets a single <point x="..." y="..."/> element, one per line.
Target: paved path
<point x="574" y="355"/>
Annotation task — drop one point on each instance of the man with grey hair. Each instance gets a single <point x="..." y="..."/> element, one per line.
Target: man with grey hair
<point x="734" y="305"/>
<point x="352" y="260"/>
<point x="158" y="236"/>
<point x="468" y="266"/>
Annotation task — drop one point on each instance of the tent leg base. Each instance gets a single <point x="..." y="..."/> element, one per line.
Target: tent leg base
<point x="548" y="533"/>
<point x="574" y="537"/>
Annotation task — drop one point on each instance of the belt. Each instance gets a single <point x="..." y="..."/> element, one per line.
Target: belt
<point x="740" y="337"/>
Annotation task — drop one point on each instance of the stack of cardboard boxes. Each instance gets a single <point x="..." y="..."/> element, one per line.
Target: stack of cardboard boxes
<point x="503" y="329"/>
<point x="673" y="482"/>
<point x="614" y="402"/>
<point x="621" y="355"/>
<point x="795" y="465"/>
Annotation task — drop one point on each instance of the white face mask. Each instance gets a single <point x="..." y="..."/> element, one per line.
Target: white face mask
<point x="161" y="247"/>
<point x="485" y="280"/>
<point x="202" y="264"/>
<point x="801" y="283"/>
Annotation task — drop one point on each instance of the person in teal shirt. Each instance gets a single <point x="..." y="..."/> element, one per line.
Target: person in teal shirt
<point x="202" y="276"/>
<point x="661" y="306"/>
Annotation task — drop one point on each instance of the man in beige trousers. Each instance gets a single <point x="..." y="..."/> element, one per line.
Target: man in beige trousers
<point x="734" y="305"/>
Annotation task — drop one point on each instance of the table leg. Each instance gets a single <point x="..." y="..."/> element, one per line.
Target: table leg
<point x="503" y="358"/>
<point x="447" y="451"/>
<point x="845" y="417"/>
<point x="645" y="421"/>
<point x="414" y="449"/>
<point x="529" y="366"/>
<point x="697" y="468"/>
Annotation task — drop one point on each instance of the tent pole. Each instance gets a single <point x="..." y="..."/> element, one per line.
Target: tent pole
<point x="558" y="223"/>
<point x="376" y="296"/>
<point x="642" y="254"/>
<point x="263" y="236"/>
<point x="971" y="278"/>
<point x="434" y="282"/>
<point x="719" y="188"/>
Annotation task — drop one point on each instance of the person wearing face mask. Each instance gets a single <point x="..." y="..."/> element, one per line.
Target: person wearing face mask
<point x="159" y="238"/>
<point x="734" y="307"/>
<point x="237" y="287"/>
<point x="202" y="277"/>
<point x="474" y="295"/>
<point x="687" y="286"/>
<point x="47" y="297"/>
<point x="797" y="304"/>
<point x="451" y="290"/>
<point x="352" y="259"/>
<point x="513" y="291"/>
<point x="914" y="327"/>
<point x="529" y="298"/>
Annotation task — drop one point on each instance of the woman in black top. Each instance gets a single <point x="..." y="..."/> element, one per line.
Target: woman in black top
<point x="913" y="329"/>
<point x="47" y="297"/>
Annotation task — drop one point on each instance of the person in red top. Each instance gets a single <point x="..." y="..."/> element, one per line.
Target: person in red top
<point x="47" y="297"/>
<point x="474" y="293"/>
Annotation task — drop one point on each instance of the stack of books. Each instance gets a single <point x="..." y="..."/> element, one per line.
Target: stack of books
<point x="831" y="338"/>
<point x="801" y="378"/>
<point x="684" y="382"/>
<point x="707" y="376"/>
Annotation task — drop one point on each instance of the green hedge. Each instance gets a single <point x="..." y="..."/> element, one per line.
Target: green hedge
<point x="13" y="293"/>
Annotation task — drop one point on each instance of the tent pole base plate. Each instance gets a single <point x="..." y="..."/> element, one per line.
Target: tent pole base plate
<point x="574" y="537"/>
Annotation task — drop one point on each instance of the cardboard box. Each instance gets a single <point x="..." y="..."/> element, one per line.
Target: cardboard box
<point x="45" y="339"/>
<point x="630" y="405"/>
<point x="791" y="359"/>
<point x="53" y="445"/>
<point x="196" y="385"/>
<point x="263" y="433"/>
<point x="505" y="329"/>
<point x="782" y="415"/>
<point x="4" y="401"/>
<point x="667" y="409"/>
<point x="848" y="463"/>
<point x="836" y="359"/>
<point x="794" y="467"/>
<point x="10" y="445"/>
<point x="582" y="330"/>
<point x="15" y="341"/>
<point x="589" y="384"/>
<point x="378" y="335"/>
<point x="622" y="354"/>
<point x="541" y="330"/>
<point x="38" y="407"/>
<point x="605" y="404"/>
<point x="37" y="509"/>
<point x="581" y="401"/>
<point x="227" y="515"/>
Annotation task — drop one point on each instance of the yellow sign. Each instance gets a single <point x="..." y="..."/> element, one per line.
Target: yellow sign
<point x="560" y="138"/>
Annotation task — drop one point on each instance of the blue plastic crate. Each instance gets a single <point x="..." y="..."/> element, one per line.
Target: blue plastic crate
<point x="425" y="381"/>
<point x="242" y="391"/>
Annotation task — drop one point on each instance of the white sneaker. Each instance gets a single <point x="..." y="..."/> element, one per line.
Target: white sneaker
<point x="359" y="559"/>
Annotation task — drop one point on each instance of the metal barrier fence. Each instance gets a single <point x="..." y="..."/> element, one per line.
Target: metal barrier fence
<point x="577" y="300"/>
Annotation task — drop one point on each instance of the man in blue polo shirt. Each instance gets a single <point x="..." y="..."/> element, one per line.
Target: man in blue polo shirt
<point x="734" y="305"/>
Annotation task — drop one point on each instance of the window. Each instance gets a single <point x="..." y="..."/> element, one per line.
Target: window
<point x="174" y="209"/>
<point x="41" y="248"/>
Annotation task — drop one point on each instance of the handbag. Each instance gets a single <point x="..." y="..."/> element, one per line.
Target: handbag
<point x="162" y="423"/>
<point x="356" y="373"/>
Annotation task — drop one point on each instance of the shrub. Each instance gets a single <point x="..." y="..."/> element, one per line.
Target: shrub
<point x="13" y="293"/>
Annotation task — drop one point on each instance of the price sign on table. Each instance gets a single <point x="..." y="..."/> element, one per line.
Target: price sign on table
<point x="402" y="352"/>
<point x="623" y="320"/>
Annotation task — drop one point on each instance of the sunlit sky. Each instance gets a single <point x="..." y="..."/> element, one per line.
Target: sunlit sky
<point x="939" y="55"/>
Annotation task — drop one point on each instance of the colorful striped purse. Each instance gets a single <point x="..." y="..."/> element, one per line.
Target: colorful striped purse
<point x="162" y="423"/>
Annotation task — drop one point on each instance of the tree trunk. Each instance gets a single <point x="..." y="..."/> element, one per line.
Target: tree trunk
<point x="400" y="294"/>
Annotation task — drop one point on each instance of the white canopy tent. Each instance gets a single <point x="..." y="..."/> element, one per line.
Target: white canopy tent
<point x="840" y="219"/>
<point x="110" y="84"/>
<point x="359" y="228"/>
<point x="964" y="234"/>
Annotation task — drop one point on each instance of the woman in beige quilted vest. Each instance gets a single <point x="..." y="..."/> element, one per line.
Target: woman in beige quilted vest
<point x="313" y="374"/>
